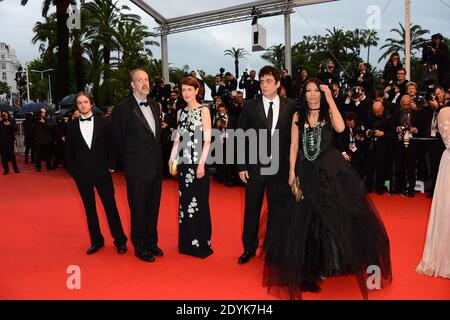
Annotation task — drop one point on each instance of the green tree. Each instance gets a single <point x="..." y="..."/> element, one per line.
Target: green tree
<point x="236" y="54"/>
<point x="398" y="44"/>
<point x="4" y="89"/>
<point x="62" y="36"/>
<point x="275" y="55"/>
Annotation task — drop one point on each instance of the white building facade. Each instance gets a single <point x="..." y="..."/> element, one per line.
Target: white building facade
<point x="8" y="66"/>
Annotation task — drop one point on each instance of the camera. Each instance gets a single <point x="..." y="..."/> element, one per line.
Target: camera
<point x="371" y="133"/>
<point x="356" y="92"/>
<point x="245" y="75"/>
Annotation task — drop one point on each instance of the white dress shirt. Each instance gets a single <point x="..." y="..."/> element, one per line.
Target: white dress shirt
<point x="87" y="129"/>
<point x="275" y="108"/>
<point x="148" y="114"/>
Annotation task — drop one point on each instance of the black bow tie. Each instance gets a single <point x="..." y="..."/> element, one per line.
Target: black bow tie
<point x="86" y="119"/>
<point x="145" y="104"/>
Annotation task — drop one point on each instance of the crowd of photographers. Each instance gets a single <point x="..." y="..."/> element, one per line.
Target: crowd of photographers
<point x="390" y="135"/>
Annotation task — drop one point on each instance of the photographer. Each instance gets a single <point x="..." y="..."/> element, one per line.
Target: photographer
<point x="380" y="134"/>
<point x="390" y="69"/>
<point x="28" y="128"/>
<point x="287" y="84"/>
<point x="7" y="139"/>
<point x="434" y="147"/>
<point x="224" y="121"/>
<point x="364" y="78"/>
<point x="406" y="122"/>
<point x="230" y="83"/>
<point x="436" y="53"/>
<point x="328" y="73"/>
<point x="42" y="139"/>
<point x="250" y="84"/>
<point x="351" y="142"/>
<point x="360" y="104"/>
<point x="397" y="89"/>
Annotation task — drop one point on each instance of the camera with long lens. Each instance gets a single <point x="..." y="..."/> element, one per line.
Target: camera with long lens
<point x="245" y="75"/>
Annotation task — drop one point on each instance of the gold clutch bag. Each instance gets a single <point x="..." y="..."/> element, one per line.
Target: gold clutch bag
<point x="174" y="168"/>
<point x="296" y="190"/>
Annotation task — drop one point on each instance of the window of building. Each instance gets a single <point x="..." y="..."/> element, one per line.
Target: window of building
<point x="3" y="65"/>
<point x="4" y="76"/>
<point x="3" y="57"/>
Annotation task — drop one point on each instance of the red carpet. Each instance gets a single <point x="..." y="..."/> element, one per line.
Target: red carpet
<point x="43" y="231"/>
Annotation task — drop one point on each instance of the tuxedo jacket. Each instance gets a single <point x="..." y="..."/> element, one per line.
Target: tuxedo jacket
<point x="138" y="148"/>
<point x="219" y="92"/>
<point x="82" y="161"/>
<point x="254" y="117"/>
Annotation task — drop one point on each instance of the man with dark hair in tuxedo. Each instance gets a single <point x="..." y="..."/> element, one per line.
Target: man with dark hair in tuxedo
<point x="268" y="112"/>
<point x="90" y="161"/>
<point x="136" y="132"/>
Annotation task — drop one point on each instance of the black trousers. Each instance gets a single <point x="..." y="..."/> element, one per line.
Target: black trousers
<point x="405" y="166"/>
<point x="7" y="154"/>
<point x="143" y="199"/>
<point x="105" y="188"/>
<point x="43" y="153"/>
<point x="377" y="161"/>
<point x="254" y="196"/>
<point x="59" y="155"/>
<point x="29" y="149"/>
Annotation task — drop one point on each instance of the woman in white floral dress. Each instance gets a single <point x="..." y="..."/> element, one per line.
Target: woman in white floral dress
<point x="190" y="151"/>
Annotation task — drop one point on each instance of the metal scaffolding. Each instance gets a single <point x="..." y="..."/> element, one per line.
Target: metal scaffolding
<point x="243" y="12"/>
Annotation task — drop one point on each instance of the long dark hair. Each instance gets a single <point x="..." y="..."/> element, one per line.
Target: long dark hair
<point x="303" y="108"/>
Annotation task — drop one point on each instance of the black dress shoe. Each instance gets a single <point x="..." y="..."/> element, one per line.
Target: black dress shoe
<point x="411" y="194"/>
<point x="5" y="173"/>
<point x="16" y="171"/>
<point x="245" y="257"/>
<point x="122" y="249"/>
<point x="156" y="252"/>
<point x="145" y="256"/>
<point x="94" y="249"/>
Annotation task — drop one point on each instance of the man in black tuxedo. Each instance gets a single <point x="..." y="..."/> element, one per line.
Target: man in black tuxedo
<point x="90" y="161"/>
<point x="218" y="88"/>
<point x="136" y="133"/>
<point x="269" y="112"/>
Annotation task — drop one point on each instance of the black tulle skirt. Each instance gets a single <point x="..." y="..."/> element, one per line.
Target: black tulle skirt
<point x="334" y="231"/>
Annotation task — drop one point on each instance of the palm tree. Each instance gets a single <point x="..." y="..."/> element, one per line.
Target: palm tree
<point x="45" y="32"/>
<point x="133" y="39"/>
<point x="237" y="54"/>
<point x="396" y="45"/>
<point x="105" y="17"/>
<point x="275" y="55"/>
<point x="371" y="39"/>
<point x="62" y="35"/>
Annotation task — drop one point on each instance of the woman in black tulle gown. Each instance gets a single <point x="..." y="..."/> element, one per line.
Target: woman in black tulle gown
<point x="335" y="229"/>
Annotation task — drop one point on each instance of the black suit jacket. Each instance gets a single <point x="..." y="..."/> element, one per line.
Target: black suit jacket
<point x="220" y="92"/>
<point x="253" y="117"/>
<point x="138" y="148"/>
<point x="82" y="161"/>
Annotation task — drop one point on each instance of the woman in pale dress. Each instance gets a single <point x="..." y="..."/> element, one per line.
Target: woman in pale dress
<point x="436" y="254"/>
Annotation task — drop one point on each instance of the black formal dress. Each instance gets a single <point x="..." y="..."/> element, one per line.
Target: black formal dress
<point x="138" y="146"/>
<point x="194" y="214"/>
<point x="88" y="163"/>
<point x="335" y="230"/>
<point x="254" y="117"/>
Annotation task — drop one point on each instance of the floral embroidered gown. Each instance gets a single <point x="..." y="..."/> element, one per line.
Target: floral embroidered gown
<point x="194" y="214"/>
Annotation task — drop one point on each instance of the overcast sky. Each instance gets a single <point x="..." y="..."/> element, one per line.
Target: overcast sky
<point x="203" y="49"/>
